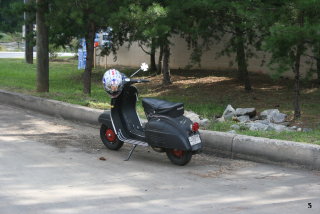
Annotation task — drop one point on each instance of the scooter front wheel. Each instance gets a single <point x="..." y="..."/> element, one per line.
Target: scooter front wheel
<point x="179" y="157"/>
<point x="109" y="138"/>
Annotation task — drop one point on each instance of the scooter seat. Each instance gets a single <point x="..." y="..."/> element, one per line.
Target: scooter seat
<point x="156" y="106"/>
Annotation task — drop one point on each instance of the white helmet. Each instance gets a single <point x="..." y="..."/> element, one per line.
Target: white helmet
<point x="112" y="82"/>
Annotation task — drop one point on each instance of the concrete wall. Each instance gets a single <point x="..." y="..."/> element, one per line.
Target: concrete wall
<point x="180" y="58"/>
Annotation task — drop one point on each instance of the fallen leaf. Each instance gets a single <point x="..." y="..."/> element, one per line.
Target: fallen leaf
<point x="102" y="158"/>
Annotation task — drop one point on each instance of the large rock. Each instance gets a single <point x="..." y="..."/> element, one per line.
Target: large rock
<point x="293" y="128"/>
<point x="257" y="126"/>
<point x="243" y="119"/>
<point x="204" y="122"/>
<point x="194" y="117"/>
<point x="264" y="114"/>
<point x="251" y="112"/>
<point x="279" y="118"/>
<point x="307" y="130"/>
<point x="221" y="120"/>
<point x="273" y="115"/>
<point x="266" y="122"/>
<point x="235" y="127"/>
<point x="229" y="112"/>
<point x="277" y="127"/>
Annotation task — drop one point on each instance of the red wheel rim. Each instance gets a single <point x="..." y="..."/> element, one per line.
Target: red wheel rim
<point x="110" y="135"/>
<point x="178" y="153"/>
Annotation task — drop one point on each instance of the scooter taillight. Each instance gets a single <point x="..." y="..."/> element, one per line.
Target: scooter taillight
<point x="195" y="127"/>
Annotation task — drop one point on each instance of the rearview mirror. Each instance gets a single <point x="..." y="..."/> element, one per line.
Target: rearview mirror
<point x="144" y="66"/>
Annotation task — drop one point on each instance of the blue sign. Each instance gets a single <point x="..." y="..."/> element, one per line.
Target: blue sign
<point x="82" y="54"/>
<point x="96" y="39"/>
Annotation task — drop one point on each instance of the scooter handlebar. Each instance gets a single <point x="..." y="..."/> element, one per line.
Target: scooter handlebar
<point x="138" y="80"/>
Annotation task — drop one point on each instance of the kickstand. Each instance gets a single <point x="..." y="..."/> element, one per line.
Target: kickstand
<point x="131" y="151"/>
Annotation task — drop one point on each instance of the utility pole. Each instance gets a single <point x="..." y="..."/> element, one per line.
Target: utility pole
<point x="28" y="23"/>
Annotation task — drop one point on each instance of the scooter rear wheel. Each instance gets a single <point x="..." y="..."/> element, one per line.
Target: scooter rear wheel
<point x="179" y="157"/>
<point x="109" y="138"/>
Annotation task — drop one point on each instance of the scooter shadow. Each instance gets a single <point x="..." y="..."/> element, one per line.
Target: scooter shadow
<point x="148" y="156"/>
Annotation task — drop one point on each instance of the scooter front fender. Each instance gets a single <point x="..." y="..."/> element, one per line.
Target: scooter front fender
<point x="105" y="119"/>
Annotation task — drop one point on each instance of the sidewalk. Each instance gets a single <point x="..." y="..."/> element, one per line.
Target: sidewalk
<point x="231" y="145"/>
<point x="20" y="55"/>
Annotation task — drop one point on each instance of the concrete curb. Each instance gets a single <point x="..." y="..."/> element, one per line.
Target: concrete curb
<point x="260" y="149"/>
<point x="263" y="149"/>
<point x="233" y="145"/>
<point x="51" y="107"/>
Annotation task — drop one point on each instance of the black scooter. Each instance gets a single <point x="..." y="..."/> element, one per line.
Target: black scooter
<point x="166" y="130"/>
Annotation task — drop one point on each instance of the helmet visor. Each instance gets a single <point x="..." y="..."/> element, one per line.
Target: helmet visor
<point x="114" y="88"/>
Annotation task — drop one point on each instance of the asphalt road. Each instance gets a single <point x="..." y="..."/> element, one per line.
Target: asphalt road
<point x="21" y="54"/>
<point x="48" y="165"/>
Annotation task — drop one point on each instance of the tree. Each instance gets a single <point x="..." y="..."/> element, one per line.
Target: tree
<point x="314" y="42"/>
<point x="42" y="46"/>
<point x="232" y="22"/>
<point x="138" y="19"/>
<point x="29" y="19"/>
<point x="150" y="24"/>
<point x="161" y="31"/>
<point x="10" y="20"/>
<point x="295" y="28"/>
<point x="163" y="27"/>
<point x="80" y="19"/>
<point x="317" y="57"/>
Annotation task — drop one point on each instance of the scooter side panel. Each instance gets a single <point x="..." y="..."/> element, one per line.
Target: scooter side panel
<point x="161" y="132"/>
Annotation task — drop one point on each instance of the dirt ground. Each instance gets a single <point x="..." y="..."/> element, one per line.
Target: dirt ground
<point x="221" y="88"/>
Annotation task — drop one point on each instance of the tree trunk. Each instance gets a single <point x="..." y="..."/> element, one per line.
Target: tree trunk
<point x="296" y="70"/>
<point x="153" y="66"/>
<point x="42" y="47"/>
<point x="165" y="65"/>
<point x="243" y="74"/>
<point x="89" y="60"/>
<point x="28" y="36"/>
<point x="160" y="59"/>
<point x="296" y="102"/>
<point x="28" y="43"/>
<point x="318" y="65"/>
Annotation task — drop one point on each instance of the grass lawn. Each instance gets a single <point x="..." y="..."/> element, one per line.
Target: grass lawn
<point x="204" y="92"/>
